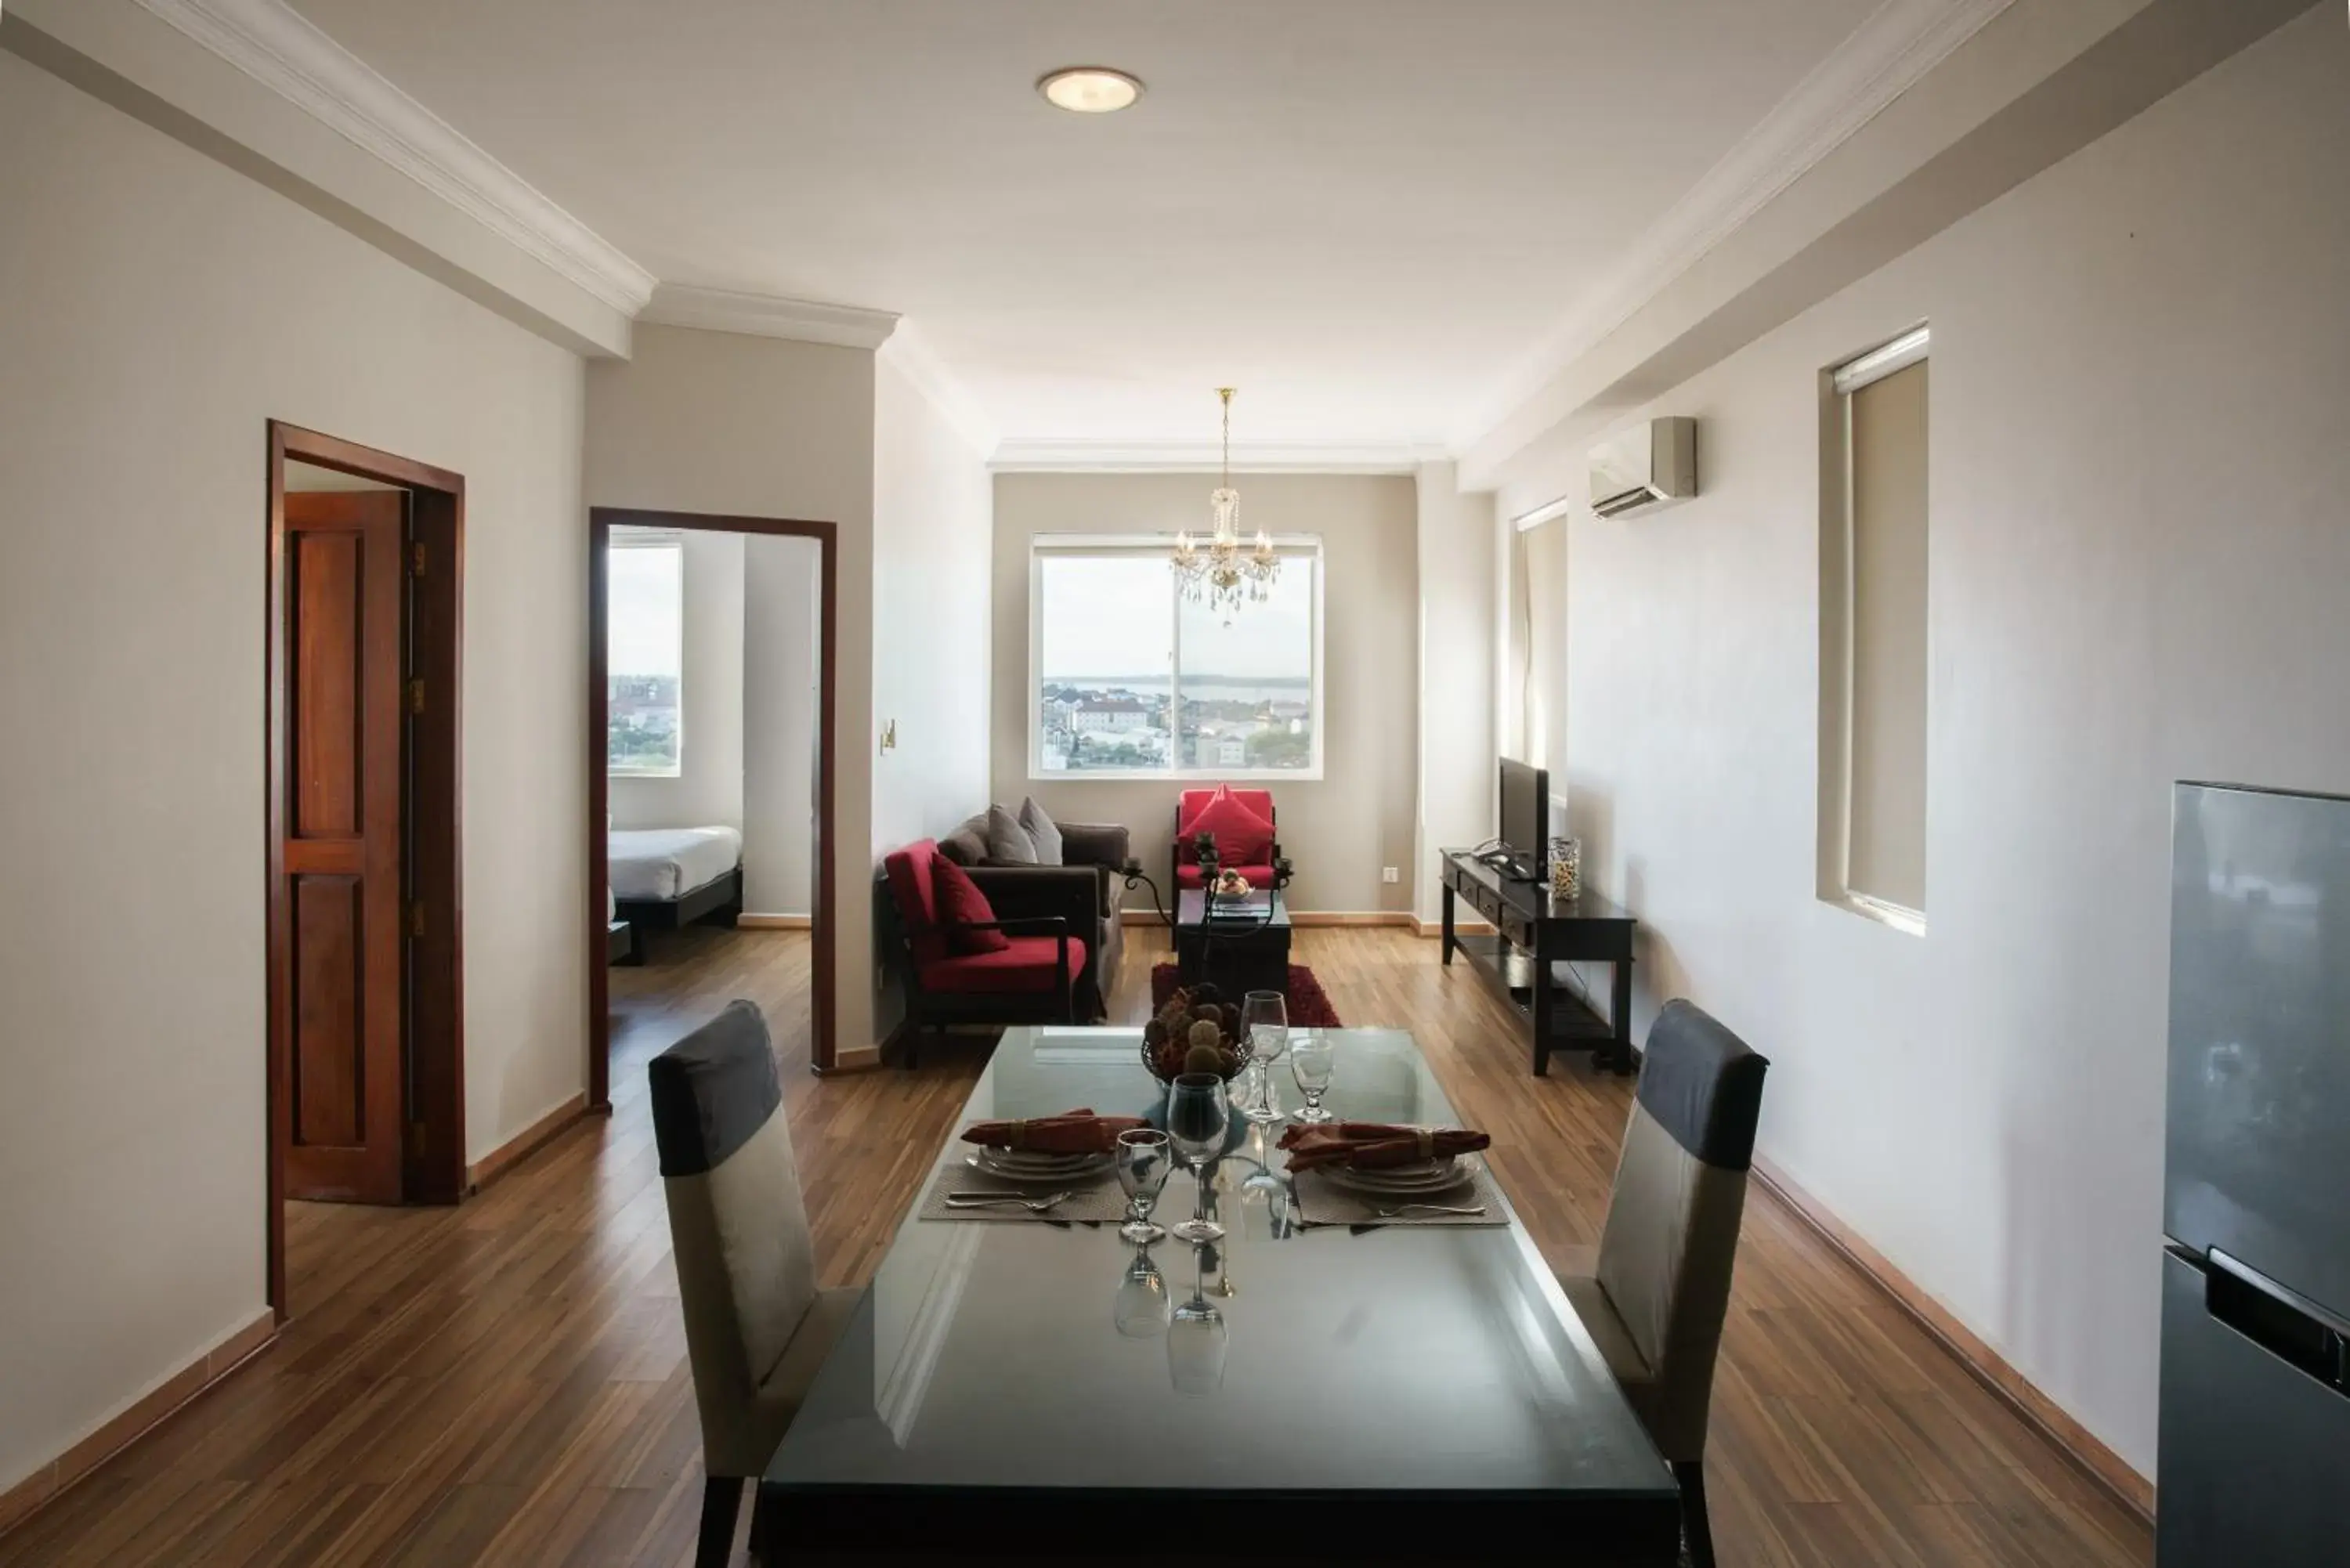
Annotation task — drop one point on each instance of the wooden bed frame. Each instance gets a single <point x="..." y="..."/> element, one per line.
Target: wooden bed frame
<point x="717" y="902"/>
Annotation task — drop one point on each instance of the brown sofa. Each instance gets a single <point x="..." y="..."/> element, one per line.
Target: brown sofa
<point x="1086" y="886"/>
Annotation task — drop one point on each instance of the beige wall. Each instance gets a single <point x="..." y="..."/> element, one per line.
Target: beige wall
<point x="1359" y="817"/>
<point x="932" y="507"/>
<point x="2138" y="560"/>
<point x="708" y="789"/>
<point x="756" y="427"/>
<point x="779" y="675"/>
<point x="156" y="310"/>
<point x="1457" y="670"/>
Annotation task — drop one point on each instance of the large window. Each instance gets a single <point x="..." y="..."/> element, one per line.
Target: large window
<point x="1132" y="679"/>
<point x="644" y="646"/>
<point x="1873" y="622"/>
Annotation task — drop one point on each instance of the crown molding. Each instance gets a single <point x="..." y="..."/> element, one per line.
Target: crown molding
<point x="279" y="49"/>
<point x="770" y="315"/>
<point x="912" y="354"/>
<point x="1031" y="456"/>
<point x="1899" y="43"/>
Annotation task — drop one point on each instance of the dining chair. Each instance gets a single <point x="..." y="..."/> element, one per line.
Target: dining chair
<point x="1657" y="1304"/>
<point x="757" y="1325"/>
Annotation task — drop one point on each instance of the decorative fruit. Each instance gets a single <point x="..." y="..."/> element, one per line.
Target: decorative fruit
<point x="1204" y="1059"/>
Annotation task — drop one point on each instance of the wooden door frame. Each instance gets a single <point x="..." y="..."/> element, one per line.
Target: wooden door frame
<point x="433" y="1149"/>
<point x="822" y="1047"/>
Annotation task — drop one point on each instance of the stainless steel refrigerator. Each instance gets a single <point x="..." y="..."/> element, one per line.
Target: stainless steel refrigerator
<point x="2254" y="1464"/>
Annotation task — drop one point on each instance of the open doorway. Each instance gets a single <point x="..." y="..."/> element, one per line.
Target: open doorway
<point x="366" y="987"/>
<point x="712" y="667"/>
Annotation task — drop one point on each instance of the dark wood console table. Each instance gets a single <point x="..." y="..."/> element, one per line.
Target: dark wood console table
<point x="1556" y="931"/>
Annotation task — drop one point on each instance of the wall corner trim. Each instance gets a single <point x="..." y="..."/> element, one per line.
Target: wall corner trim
<point x="2110" y="1472"/>
<point x="276" y="47"/>
<point x="143" y="1415"/>
<point x="1881" y="60"/>
<point x="1028" y="455"/>
<point x="770" y="315"/>
<point x="910" y="352"/>
<point x="524" y="1144"/>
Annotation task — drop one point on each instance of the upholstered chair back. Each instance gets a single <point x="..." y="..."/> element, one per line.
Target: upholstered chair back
<point x="745" y="1262"/>
<point x="912" y="892"/>
<point x="1190" y="802"/>
<point x="1672" y="1225"/>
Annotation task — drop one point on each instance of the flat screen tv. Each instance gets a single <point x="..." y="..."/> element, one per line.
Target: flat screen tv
<point x="1526" y="818"/>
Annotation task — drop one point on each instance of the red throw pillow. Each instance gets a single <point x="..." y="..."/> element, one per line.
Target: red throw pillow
<point x="1242" y="838"/>
<point x="964" y="910"/>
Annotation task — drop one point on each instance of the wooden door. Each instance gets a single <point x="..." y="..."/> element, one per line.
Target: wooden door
<point x="338" y="893"/>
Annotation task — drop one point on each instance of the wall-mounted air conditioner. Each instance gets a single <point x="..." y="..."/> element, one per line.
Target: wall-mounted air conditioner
<point x="1648" y="467"/>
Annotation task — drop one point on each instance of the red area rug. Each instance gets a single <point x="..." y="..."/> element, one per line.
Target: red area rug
<point x="1310" y="1007"/>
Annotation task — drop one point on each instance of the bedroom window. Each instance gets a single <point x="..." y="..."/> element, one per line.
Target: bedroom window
<point x="1129" y="680"/>
<point x="644" y="647"/>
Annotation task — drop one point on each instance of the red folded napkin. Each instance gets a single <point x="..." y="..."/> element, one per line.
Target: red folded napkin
<point x="1369" y="1146"/>
<point x="1071" y="1132"/>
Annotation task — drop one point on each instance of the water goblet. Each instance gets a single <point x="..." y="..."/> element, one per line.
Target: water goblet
<point x="1199" y="1116"/>
<point x="1144" y="1302"/>
<point x="1313" y="1059"/>
<point x="1264" y="1016"/>
<point x="1196" y="1343"/>
<point x="1144" y="1160"/>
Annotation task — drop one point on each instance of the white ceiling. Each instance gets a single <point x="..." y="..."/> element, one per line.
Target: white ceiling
<point x="1362" y="212"/>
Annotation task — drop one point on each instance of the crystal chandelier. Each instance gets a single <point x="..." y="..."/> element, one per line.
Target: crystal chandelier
<point x="1221" y="572"/>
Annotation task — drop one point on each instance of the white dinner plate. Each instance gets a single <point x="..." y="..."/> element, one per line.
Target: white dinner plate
<point x="1438" y="1175"/>
<point x="1086" y="1167"/>
<point x="1034" y="1159"/>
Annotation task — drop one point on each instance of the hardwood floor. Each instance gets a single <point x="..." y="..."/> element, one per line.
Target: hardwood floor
<point x="506" y="1382"/>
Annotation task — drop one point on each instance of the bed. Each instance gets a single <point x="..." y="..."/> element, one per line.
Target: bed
<point x="665" y="877"/>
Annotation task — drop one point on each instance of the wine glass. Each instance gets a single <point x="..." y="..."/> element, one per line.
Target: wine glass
<point x="1144" y="1302"/>
<point x="1313" y="1059"/>
<point x="1143" y="1162"/>
<point x="1264" y="1017"/>
<point x="1196" y="1341"/>
<point x="1198" y="1117"/>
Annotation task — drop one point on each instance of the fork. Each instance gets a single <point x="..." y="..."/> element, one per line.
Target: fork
<point x="1402" y="1208"/>
<point x="999" y="1200"/>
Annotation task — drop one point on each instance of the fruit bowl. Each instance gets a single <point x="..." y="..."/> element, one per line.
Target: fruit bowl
<point x="1197" y="1031"/>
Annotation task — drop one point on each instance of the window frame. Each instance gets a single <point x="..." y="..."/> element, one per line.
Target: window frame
<point x="1307" y="547"/>
<point x="671" y="539"/>
<point x="1838" y="684"/>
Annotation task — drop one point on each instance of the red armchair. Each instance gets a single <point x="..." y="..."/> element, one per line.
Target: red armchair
<point x="1242" y="851"/>
<point x="1032" y="979"/>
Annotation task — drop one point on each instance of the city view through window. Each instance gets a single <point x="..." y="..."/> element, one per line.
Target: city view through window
<point x="644" y="651"/>
<point x="1131" y="677"/>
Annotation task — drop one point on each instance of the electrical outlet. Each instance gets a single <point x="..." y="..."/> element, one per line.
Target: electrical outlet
<point x="1389" y="874"/>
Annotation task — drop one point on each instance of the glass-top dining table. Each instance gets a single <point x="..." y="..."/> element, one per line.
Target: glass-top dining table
<point x="1396" y="1391"/>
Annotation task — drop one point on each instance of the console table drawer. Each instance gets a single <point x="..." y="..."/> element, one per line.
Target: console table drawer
<point x="1516" y="927"/>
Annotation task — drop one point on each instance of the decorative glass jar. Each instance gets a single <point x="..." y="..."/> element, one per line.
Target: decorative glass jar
<point x="1565" y="867"/>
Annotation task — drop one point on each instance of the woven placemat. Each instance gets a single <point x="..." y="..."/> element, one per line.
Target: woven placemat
<point x="1321" y="1201"/>
<point x="1092" y="1200"/>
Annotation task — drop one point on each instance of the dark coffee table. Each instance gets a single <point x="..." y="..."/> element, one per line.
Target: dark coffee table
<point x="1239" y="944"/>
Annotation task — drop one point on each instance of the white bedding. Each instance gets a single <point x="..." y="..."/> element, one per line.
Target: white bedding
<point x="663" y="862"/>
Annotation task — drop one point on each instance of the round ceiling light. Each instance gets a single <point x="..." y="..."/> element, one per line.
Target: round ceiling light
<point x="1089" y="89"/>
